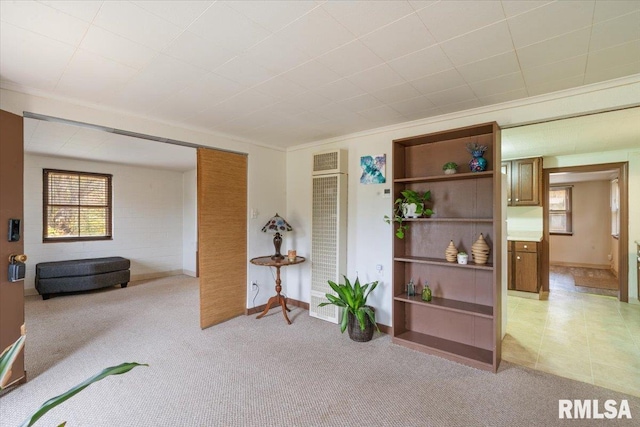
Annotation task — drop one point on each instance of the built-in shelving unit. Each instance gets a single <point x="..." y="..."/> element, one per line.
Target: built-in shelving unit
<point x="463" y="320"/>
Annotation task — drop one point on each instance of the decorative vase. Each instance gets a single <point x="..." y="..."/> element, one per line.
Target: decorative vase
<point x="478" y="163"/>
<point x="426" y="293"/>
<point x="451" y="252"/>
<point x="463" y="258"/>
<point x="480" y="251"/>
<point x="357" y="334"/>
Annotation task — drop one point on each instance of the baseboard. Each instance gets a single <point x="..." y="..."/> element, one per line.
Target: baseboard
<point x="158" y="275"/>
<point x="189" y="273"/>
<point x="29" y="292"/>
<point x="522" y="294"/>
<point x="577" y="264"/>
<point x="290" y="301"/>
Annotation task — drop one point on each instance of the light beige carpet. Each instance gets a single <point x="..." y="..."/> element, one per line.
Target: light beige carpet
<point x="249" y="372"/>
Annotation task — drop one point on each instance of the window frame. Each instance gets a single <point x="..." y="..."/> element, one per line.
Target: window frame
<point x="45" y="207"/>
<point x="567" y="212"/>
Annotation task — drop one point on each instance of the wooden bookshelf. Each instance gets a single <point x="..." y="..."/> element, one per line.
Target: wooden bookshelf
<point x="462" y="322"/>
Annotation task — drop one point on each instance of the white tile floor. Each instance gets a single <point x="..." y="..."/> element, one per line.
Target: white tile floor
<point x="589" y="338"/>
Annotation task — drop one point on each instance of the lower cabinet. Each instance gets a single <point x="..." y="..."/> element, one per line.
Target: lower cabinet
<point x="524" y="261"/>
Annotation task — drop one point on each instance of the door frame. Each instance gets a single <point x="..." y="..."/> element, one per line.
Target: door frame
<point x="623" y="240"/>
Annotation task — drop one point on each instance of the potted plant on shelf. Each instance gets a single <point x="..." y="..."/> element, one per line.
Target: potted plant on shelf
<point x="463" y="257"/>
<point x="356" y="314"/>
<point x="450" y="168"/>
<point x="410" y="205"/>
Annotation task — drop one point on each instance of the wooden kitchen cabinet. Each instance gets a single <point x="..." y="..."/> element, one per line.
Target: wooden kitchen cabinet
<point x="510" y="282"/>
<point x="526" y="266"/>
<point x="524" y="181"/>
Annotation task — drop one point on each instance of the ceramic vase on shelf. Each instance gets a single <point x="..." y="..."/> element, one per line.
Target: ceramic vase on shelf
<point x="480" y="251"/>
<point x="478" y="163"/>
<point x="451" y="253"/>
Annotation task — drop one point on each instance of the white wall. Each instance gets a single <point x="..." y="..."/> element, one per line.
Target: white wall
<point x="147" y="218"/>
<point x="266" y="177"/>
<point x="524" y="219"/>
<point x="590" y="244"/>
<point x="189" y="222"/>
<point x="370" y="239"/>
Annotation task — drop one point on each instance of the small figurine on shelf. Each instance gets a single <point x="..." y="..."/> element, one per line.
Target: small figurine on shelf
<point x="411" y="289"/>
<point x="426" y="293"/>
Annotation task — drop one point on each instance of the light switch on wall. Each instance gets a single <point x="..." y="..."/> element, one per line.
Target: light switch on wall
<point x="254" y="213"/>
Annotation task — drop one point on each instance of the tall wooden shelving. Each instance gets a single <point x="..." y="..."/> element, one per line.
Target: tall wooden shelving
<point x="463" y="320"/>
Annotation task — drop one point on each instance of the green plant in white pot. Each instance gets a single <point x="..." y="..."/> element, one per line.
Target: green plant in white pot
<point x="450" y="168"/>
<point x="356" y="314"/>
<point x="410" y="205"/>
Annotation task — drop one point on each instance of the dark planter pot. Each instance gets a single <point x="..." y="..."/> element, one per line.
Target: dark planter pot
<point x="357" y="334"/>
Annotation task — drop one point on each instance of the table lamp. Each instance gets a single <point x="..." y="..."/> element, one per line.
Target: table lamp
<point x="276" y="225"/>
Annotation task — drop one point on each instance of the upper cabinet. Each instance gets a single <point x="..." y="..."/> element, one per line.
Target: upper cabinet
<point x="524" y="181"/>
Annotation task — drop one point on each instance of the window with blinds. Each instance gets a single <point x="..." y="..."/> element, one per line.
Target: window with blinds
<point x="76" y="206"/>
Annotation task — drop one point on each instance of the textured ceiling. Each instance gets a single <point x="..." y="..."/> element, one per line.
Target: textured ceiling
<point x="284" y="73"/>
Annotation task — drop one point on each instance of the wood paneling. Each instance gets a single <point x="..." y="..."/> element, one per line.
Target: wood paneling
<point x="222" y="235"/>
<point x="11" y="206"/>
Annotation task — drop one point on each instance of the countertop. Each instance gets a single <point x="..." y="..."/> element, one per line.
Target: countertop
<point x="525" y="236"/>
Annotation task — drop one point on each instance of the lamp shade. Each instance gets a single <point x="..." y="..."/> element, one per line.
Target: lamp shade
<point x="276" y="224"/>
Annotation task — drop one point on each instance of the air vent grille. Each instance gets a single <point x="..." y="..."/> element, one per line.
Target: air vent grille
<point x="325" y="161"/>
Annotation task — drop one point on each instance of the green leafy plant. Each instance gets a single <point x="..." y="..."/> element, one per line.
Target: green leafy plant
<point x="408" y="197"/>
<point x="450" y="165"/>
<point x="353" y="299"/>
<point x="8" y="357"/>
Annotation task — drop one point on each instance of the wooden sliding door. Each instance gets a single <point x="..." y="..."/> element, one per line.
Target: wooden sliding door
<point x="222" y="235"/>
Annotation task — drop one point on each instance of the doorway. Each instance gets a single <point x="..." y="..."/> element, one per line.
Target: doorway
<point x="592" y="232"/>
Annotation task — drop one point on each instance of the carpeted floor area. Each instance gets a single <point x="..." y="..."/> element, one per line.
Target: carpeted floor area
<point x="249" y="372"/>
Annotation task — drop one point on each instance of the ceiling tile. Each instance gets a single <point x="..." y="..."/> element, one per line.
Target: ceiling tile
<point x="497" y="85"/>
<point x="117" y="48"/>
<point x="555" y="49"/>
<point x="197" y="51"/>
<point x="280" y="88"/>
<point x="451" y="96"/>
<point x="350" y="59"/>
<point x="517" y="7"/>
<point x="376" y="78"/>
<point x="249" y="101"/>
<point x="276" y="54"/>
<point x="396" y="93"/>
<point x="557" y="71"/>
<point x="311" y="75"/>
<point x="273" y="15"/>
<point x="364" y="17"/>
<point x="316" y="33"/>
<point x="424" y="62"/>
<point x="383" y="116"/>
<point x="31" y="60"/>
<point x="180" y="13"/>
<point x="503" y="97"/>
<point x="408" y="106"/>
<point x="339" y="90"/>
<point x="85" y="10"/>
<point x="399" y="38"/>
<point x="623" y="54"/>
<point x="360" y="103"/>
<point x="226" y="27"/>
<point x="218" y="86"/>
<point x="421" y="4"/>
<point x="549" y="86"/>
<point x="467" y="104"/>
<point x="481" y="44"/>
<point x="124" y="18"/>
<point x="549" y="21"/>
<point x="439" y="81"/>
<point x="615" y="31"/>
<point x="184" y="104"/>
<point x="423" y="114"/>
<point x="601" y="74"/>
<point x="44" y="20"/>
<point x="448" y="19"/>
<point x="245" y="72"/>
<point x="505" y="63"/>
<point x="612" y="9"/>
<point x="91" y="77"/>
<point x="309" y="101"/>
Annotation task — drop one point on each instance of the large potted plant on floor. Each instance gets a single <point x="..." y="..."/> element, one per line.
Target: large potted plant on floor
<point x="356" y="314"/>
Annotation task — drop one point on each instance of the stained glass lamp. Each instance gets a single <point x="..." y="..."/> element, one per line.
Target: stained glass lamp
<point x="277" y="225"/>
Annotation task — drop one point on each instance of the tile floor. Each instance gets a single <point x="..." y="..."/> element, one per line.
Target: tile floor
<point x="586" y="337"/>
